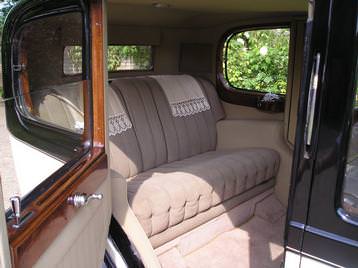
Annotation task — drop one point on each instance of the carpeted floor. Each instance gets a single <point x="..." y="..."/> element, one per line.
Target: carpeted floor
<point x="255" y="244"/>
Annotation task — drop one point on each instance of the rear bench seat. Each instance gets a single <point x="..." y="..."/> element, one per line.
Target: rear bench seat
<point x="176" y="178"/>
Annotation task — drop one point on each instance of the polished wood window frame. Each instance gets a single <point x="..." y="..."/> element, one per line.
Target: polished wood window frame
<point x="29" y="242"/>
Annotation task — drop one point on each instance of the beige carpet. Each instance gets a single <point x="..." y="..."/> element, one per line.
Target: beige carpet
<point x="255" y="244"/>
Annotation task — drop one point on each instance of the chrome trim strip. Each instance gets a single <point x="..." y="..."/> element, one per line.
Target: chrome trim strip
<point x="293" y="250"/>
<point x="297" y="224"/>
<point x="332" y="236"/>
<point x="346" y="217"/>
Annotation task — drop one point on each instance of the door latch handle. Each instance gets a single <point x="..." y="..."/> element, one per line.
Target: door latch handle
<point x="19" y="217"/>
<point x="82" y="199"/>
<point x="311" y="105"/>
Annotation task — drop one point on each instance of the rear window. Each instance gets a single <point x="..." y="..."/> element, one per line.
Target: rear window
<point x="129" y="58"/>
<point x="257" y="60"/>
<point x="120" y="58"/>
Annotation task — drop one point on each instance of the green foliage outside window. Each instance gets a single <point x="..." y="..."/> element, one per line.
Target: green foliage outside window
<point x="258" y="60"/>
<point x="129" y="57"/>
<point x="120" y="57"/>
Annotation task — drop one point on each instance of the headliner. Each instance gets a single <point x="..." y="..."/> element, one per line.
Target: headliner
<point x="197" y="13"/>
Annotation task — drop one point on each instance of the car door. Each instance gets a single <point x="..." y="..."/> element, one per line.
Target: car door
<point x="322" y="224"/>
<point x="53" y="72"/>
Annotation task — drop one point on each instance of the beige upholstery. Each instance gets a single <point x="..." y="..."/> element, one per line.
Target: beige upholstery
<point x="172" y="193"/>
<point x="259" y="133"/>
<point x="174" y="174"/>
<point x="249" y="235"/>
<point x="157" y="137"/>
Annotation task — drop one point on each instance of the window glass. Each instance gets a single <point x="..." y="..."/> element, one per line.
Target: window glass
<point x="127" y="58"/>
<point x="45" y="93"/>
<point x="50" y="105"/>
<point x="350" y="187"/>
<point x="257" y="60"/>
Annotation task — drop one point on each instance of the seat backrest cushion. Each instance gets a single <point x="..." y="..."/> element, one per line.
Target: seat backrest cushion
<point x="161" y="137"/>
<point x="189" y="135"/>
<point x="125" y="154"/>
<point x="139" y="102"/>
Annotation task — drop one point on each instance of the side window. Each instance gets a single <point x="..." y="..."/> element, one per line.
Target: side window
<point x="130" y="58"/>
<point x="257" y="60"/>
<point x="350" y="186"/>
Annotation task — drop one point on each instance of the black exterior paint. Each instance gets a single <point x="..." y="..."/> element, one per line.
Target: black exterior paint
<point x="315" y="195"/>
<point x="124" y="245"/>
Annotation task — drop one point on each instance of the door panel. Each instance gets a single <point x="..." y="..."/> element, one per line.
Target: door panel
<point x="30" y="242"/>
<point x="316" y="228"/>
<point x="84" y="236"/>
<point x="54" y="232"/>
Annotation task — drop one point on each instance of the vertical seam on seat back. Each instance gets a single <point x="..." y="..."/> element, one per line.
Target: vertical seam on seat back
<point x="130" y="117"/>
<point x="214" y="138"/>
<point x="148" y="120"/>
<point x="160" y="119"/>
<point x="135" y="125"/>
<point x="201" y="143"/>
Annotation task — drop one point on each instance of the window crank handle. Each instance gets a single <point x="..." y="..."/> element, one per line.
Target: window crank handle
<point x="82" y="199"/>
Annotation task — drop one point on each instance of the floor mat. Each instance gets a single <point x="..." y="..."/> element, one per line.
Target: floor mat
<point x="255" y="244"/>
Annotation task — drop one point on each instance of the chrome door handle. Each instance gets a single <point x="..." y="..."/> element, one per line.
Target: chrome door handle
<point x="82" y="199"/>
<point x="311" y="105"/>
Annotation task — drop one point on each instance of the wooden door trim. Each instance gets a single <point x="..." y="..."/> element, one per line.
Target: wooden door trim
<point x="97" y="51"/>
<point x="27" y="243"/>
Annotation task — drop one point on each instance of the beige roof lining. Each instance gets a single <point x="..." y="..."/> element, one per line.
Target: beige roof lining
<point x="144" y="14"/>
<point x="222" y="6"/>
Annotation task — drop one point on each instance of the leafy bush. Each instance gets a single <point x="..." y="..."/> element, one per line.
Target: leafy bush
<point x="138" y="56"/>
<point x="120" y="57"/>
<point x="258" y="60"/>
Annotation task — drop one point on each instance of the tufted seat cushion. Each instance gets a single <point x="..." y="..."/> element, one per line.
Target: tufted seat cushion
<point x="170" y="194"/>
<point x="176" y="178"/>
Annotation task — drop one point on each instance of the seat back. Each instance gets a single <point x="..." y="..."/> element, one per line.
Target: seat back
<point x="161" y="137"/>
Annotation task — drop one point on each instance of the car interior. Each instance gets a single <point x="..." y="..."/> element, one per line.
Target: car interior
<point x="200" y="168"/>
